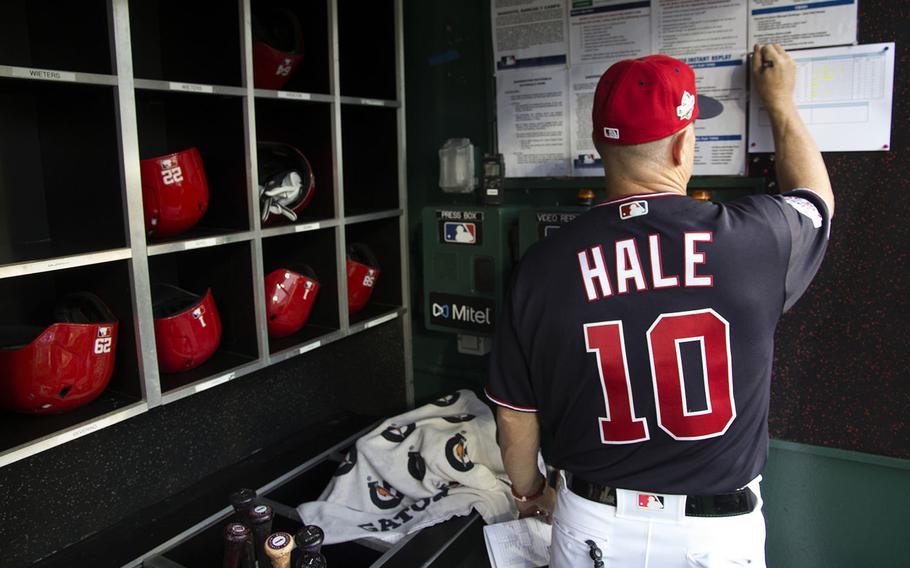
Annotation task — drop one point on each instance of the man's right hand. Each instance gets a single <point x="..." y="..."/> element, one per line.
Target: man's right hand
<point x="774" y="74"/>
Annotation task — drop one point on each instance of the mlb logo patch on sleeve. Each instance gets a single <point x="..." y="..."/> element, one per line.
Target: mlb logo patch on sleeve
<point x="464" y="233"/>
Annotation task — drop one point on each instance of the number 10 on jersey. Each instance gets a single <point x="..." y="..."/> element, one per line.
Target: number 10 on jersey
<point x="706" y="327"/>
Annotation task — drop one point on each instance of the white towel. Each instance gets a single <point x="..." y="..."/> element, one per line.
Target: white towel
<point x="415" y="470"/>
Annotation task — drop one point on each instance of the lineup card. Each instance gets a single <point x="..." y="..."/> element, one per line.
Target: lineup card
<point x="844" y="96"/>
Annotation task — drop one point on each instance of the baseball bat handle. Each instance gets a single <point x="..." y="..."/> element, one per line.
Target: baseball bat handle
<point x="278" y="547"/>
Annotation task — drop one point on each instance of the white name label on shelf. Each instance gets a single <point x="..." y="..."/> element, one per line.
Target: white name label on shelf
<point x="85" y="430"/>
<point x="306" y="227"/>
<point x="199" y="243"/>
<point x="309" y="347"/>
<point x="56" y="264"/>
<point x="214" y="382"/>
<point x="372" y="102"/>
<point x="377" y="321"/>
<point x="191" y="87"/>
<point x="43" y="74"/>
<point x="291" y="95"/>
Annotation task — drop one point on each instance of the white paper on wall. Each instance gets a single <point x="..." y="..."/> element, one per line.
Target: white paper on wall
<point x="844" y="96"/>
<point x="720" y="130"/>
<point x="533" y="112"/>
<point x="529" y="33"/>
<point x="685" y="28"/>
<point x="797" y="24"/>
<point x="602" y="30"/>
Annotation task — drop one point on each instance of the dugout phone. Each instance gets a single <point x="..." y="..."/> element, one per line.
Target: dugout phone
<point x="468" y="255"/>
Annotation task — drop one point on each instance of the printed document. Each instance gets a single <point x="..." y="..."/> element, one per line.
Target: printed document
<point x="844" y="96"/>
<point x="609" y="29"/>
<point x="685" y="28"/>
<point x="532" y="110"/>
<point x="800" y="24"/>
<point x="524" y="543"/>
<point x="529" y="33"/>
<point x="720" y="130"/>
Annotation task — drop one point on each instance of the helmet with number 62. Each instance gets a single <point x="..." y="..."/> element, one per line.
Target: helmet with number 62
<point x="62" y="367"/>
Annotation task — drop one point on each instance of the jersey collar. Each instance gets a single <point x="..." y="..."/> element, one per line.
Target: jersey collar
<point x="625" y="198"/>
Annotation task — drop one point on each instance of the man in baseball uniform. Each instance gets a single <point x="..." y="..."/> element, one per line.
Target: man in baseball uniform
<point x="640" y="336"/>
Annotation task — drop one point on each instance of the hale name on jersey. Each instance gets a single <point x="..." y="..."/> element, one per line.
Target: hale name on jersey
<point x="631" y="267"/>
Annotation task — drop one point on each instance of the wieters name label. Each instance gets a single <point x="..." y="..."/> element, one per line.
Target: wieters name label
<point x="462" y="312"/>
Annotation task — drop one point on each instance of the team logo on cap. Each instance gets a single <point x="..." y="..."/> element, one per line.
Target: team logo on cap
<point x="633" y="209"/>
<point x="686" y="106"/>
<point x="650" y="501"/>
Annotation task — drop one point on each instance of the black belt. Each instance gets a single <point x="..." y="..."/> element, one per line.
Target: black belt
<point x="725" y="505"/>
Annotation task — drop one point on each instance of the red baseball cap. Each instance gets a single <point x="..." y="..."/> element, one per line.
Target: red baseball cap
<point x="642" y="100"/>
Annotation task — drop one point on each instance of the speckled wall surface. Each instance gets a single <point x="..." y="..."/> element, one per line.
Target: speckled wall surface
<point x="843" y="353"/>
<point x="67" y="493"/>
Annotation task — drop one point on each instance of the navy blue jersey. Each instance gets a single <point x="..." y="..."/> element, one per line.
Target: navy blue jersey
<point x="642" y="335"/>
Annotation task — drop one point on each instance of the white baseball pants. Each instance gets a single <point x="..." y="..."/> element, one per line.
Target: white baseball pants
<point x="635" y="535"/>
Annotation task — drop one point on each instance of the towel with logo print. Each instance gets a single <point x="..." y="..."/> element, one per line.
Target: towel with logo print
<point x="415" y="470"/>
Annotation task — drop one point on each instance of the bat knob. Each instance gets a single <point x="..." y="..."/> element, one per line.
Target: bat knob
<point x="310" y="538"/>
<point x="242" y="499"/>
<point x="278" y="548"/>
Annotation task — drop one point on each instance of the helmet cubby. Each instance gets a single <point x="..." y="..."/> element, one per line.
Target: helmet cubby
<point x="304" y="128"/>
<point x="192" y="42"/>
<point x="187" y="324"/>
<point x="382" y="241"/>
<point x="43" y="356"/>
<point x="57" y="35"/>
<point x="298" y="254"/>
<point x="172" y="123"/>
<point x="371" y="76"/>
<point x="60" y="185"/>
<point x="290" y="45"/>
<point x="370" y="167"/>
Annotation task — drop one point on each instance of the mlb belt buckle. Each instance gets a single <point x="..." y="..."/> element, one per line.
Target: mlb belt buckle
<point x="738" y="502"/>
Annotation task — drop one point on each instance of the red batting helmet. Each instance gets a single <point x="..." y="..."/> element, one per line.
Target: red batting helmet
<point x="363" y="271"/>
<point x="277" y="48"/>
<point x="63" y="366"/>
<point x="289" y="298"/>
<point x="175" y="192"/>
<point x="187" y="327"/>
<point x="286" y="182"/>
